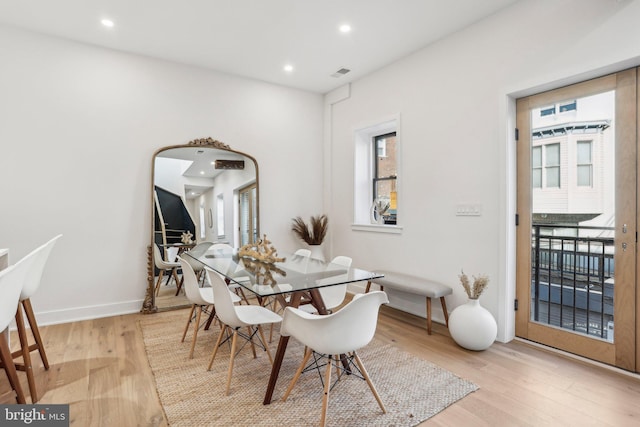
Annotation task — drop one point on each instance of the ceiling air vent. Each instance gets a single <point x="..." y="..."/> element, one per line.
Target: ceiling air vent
<point x="341" y="72"/>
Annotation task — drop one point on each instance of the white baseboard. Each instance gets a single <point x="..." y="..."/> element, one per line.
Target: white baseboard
<point x="86" y="313"/>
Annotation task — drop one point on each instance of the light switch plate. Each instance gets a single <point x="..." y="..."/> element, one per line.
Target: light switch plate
<point x="468" y="210"/>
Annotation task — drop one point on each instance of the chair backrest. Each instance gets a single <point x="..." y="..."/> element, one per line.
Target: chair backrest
<point x="344" y="331"/>
<point x="334" y="295"/>
<point x="197" y="251"/>
<point x="11" y="281"/>
<point x="159" y="260"/>
<point x="225" y="310"/>
<point x="37" y="259"/>
<point x="191" y="288"/>
<point x="341" y="260"/>
<point x="303" y="252"/>
<point x="172" y="253"/>
<point x="220" y="249"/>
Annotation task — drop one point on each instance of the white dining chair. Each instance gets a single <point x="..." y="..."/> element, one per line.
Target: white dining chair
<point x="334" y="338"/>
<point x="303" y="252"/>
<point x="34" y="264"/>
<point x="11" y="280"/>
<point x="332" y="296"/>
<point x="200" y="299"/>
<point x="196" y="252"/>
<point x="171" y="268"/>
<point x="236" y="317"/>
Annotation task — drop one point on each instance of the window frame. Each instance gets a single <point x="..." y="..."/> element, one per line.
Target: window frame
<point x="364" y="157"/>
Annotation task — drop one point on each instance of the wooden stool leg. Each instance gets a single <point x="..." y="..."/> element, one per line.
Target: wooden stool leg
<point x="429" y="315"/>
<point x="444" y="310"/>
<point x="10" y="368"/>
<point x="25" y="353"/>
<point x="28" y="309"/>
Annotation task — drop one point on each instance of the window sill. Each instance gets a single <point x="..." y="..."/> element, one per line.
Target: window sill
<point x="377" y="228"/>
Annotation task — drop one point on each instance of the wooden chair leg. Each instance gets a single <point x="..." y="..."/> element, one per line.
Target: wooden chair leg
<point x="186" y="328"/>
<point x="305" y="359"/>
<point x="215" y="348"/>
<point x="10" y="368"/>
<point x="160" y="276"/>
<point x="366" y="291"/>
<point x="264" y="342"/>
<point x="231" y="359"/>
<point x="325" y="398"/>
<point x="179" y="281"/>
<point x="429" y="315"/>
<point x="253" y="346"/>
<point x="25" y="353"/>
<point x="28" y="310"/>
<point x="196" y="325"/>
<point x="444" y="310"/>
<point x="365" y="374"/>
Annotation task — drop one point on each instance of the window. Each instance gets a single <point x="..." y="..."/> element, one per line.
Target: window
<point x="552" y="165"/>
<point x="536" y="167"/>
<point x="203" y="230"/>
<point x="548" y="111"/>
<point x="584" y="164"/>
<point x="376" y="172"/>
<point x="385" y="175"/>
<point x="545" y="166"/>
<point x="220" y="215"/>
<point x="569" y="106"/>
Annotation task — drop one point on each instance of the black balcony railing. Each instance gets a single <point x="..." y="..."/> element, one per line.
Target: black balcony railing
<point x="572" y="274"/>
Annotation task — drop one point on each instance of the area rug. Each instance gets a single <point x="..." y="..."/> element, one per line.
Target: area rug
<point x="411" y="389"/>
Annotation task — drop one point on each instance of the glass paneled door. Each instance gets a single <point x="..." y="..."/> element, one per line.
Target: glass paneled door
<point x="577" y="209"/>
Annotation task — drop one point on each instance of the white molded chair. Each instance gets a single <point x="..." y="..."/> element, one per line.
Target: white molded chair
<point x="234" y="318"/>
<point x="197" y="251"/>
<point x="303" y="252"/>
<point x="225" y="250"/>
<point x="332" y="296"/>
<point x="200" y="298"/>
<point x="330" y="336"/>
<point x="11" y="280"/>
<point x="164" y="266"/>
<point x="35" y="262"/>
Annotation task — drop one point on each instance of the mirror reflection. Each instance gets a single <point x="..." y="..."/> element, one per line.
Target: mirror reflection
<point x="202" y="192"/>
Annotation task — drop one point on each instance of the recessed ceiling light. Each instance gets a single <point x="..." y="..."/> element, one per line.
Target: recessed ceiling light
<point x="288" y="68"/>
<point x="345" y="28"/>
<point x="201" y="172"/>
<point x="107" y="23"/>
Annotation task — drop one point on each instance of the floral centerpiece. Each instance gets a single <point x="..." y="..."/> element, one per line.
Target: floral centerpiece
<point x="474" y="290"/>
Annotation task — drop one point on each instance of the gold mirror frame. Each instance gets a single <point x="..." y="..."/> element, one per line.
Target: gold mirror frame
<point x="149" y="304"/>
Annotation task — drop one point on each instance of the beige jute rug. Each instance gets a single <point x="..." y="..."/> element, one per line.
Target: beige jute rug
<point x="411" y="389"/>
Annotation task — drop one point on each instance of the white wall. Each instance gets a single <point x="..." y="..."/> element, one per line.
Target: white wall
<point x="79" y="126"/>
<point x="455" y="101"/>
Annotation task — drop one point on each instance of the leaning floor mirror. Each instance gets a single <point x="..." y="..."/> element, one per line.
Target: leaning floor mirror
<point x="202" y="191"/>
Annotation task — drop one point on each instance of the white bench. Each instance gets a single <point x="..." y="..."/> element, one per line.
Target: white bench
<point x="417" y="286"/>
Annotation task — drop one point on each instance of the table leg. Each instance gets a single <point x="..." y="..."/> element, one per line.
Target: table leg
<point x="277" y="361"/>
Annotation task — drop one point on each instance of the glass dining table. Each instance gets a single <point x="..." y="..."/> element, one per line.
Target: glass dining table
<point x="292" y="281"/>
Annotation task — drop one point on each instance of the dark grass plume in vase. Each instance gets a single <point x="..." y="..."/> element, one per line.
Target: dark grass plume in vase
<point x="312" y="233"/>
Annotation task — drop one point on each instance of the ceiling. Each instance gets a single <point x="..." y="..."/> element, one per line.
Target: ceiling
<point x="256" y="38"/>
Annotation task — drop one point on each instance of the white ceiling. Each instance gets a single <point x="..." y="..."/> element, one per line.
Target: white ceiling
<point x="255" y="38"/>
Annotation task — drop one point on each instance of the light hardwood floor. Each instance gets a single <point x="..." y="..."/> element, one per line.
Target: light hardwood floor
<point x="99" y="367"/>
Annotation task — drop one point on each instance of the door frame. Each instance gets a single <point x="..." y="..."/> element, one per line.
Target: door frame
<point x="626" y="300"/>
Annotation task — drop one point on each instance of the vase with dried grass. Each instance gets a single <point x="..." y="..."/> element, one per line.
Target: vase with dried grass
<point x="312" y="234"/>
<point x="471" y="325"/>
